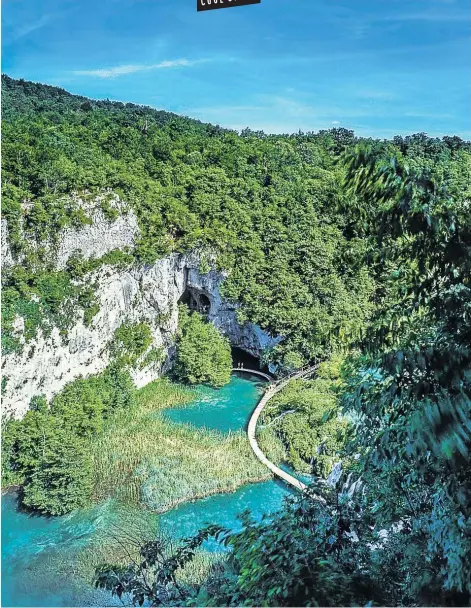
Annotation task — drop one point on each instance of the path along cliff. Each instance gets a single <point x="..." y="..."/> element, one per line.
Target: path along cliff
<point x="274" y="388"/>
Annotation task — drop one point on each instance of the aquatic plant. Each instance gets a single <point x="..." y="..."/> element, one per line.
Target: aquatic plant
<point x="141" y="457"/>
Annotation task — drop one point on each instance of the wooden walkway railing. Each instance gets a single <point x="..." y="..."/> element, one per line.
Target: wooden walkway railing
<point x="255" y="372"/>
<point x="274" y="388"/>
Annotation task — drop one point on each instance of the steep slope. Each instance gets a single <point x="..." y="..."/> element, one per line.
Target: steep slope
<point x="132" y="293"/>
<point x="268" y="208"/>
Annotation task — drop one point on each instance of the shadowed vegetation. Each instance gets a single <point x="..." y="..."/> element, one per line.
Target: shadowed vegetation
<point x="338" y="245"/>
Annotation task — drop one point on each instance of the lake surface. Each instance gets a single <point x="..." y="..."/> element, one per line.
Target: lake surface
<point x="38" y="552"/>
<point x="225" y="409"/>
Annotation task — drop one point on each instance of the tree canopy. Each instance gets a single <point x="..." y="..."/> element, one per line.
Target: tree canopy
<point x="203" y="354"/>
<point x="395" y="531"/>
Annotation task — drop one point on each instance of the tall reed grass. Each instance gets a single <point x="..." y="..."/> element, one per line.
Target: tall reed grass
<point x="119" y="539"/>
<point x="141" y="458"/>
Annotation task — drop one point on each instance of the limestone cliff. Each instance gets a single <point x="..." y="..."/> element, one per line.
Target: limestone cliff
<point x="149" y="293"/>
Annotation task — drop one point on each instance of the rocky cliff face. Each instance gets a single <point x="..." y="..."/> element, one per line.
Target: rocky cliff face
<point x="143" y="293"/>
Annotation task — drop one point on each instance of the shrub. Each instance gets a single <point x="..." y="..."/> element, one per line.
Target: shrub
<point x="47" y="452"/>
<point x="131" y="340"/>
<point x="61" y="478"/>
<point x="305" y="416"/>
<point x="203" y="355"/>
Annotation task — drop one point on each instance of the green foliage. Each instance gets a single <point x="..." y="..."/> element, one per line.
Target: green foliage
<point x="12" y="474"/>
<point x="154" y="578"/>
<point x="78" y="267"/>
<point x="48" y="462"/>
<point x="292" y="361"/>
<point x="303" y="557"/>
<point x="203" y="355"/>
<point x="411" y="388"/>
<point x="60" y="479"/>
<point x="38" y="404"/>
<point x="272" y="208"/>
<point x="47" y="452"/>
<point x="44" y="299"/>
<point x="397" y="532"/>
<point x="120" y="258"/>
<point x="372" y="251"/>
<point x="267" y="207"/>
<point x="306" y="417"/>
<point x="83" y="404"/>
<point x="155" y="356"/>
<point x="131" y="340"/>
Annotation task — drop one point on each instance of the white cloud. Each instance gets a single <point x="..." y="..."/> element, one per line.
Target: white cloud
<point x="121" y="70"/>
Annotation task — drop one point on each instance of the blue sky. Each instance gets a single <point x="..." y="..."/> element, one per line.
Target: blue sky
<point x="378" y="67"/>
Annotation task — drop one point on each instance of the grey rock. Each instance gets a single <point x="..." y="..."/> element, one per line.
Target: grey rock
<point x="146" y="293"/>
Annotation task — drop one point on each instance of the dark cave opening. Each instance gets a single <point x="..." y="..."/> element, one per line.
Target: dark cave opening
<point x="196" y="301"/>
<point x="247" y="360"/>
<point x="200" y="302"/>
<point x="204" y="303"/>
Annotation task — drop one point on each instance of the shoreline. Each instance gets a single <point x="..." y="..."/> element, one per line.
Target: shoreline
<point x="10" y="489"/>
<point x="142" y="506"/>
<point x="174" y="505"/>
<point x="237" y="372"/>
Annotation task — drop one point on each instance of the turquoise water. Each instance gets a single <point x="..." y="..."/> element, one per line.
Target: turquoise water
<point x="226" y="409"/>
<point x="33" y="547"/>
<point x="222" y="509"/>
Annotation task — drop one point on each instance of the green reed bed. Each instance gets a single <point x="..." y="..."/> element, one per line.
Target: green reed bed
<point x="162" y="394"/>
<point x="119" y="535"/>
<point x="142" y="458"/>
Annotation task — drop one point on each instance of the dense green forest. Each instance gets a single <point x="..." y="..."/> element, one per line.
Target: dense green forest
<point x="269" y="207"/>
<point x="357" y="252"/>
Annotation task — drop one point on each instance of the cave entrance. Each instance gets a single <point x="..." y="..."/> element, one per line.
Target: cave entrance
<point x="248" y="361"/>
<point x="196" y="301"/>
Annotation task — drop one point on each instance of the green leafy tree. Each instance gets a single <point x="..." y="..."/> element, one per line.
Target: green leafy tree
<point x="203" y="355"/>
<point x="12" y="473"/>
<point x="48" y="461"/>
<point x="267" y="207"/>
<point x="61" y="478"/>
<point x="46" y="452"/>
<point x="411" y="388"/>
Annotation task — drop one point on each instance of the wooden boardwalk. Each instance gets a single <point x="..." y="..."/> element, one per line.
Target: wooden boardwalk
<point x="274" y="388"/>
<point x="255" y="372"/>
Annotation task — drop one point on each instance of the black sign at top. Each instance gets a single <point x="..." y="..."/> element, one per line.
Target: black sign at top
<point x="208" y="5"/>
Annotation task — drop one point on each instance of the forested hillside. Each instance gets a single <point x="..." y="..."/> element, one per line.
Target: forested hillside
<point x="269" y="206"/>
<point x="357" y="253"/>
<point x="396" y="529"/>
<point x="273" y="208"/>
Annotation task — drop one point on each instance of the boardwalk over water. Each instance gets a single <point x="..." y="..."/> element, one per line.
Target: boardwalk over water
<point x="274" y="388"/>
